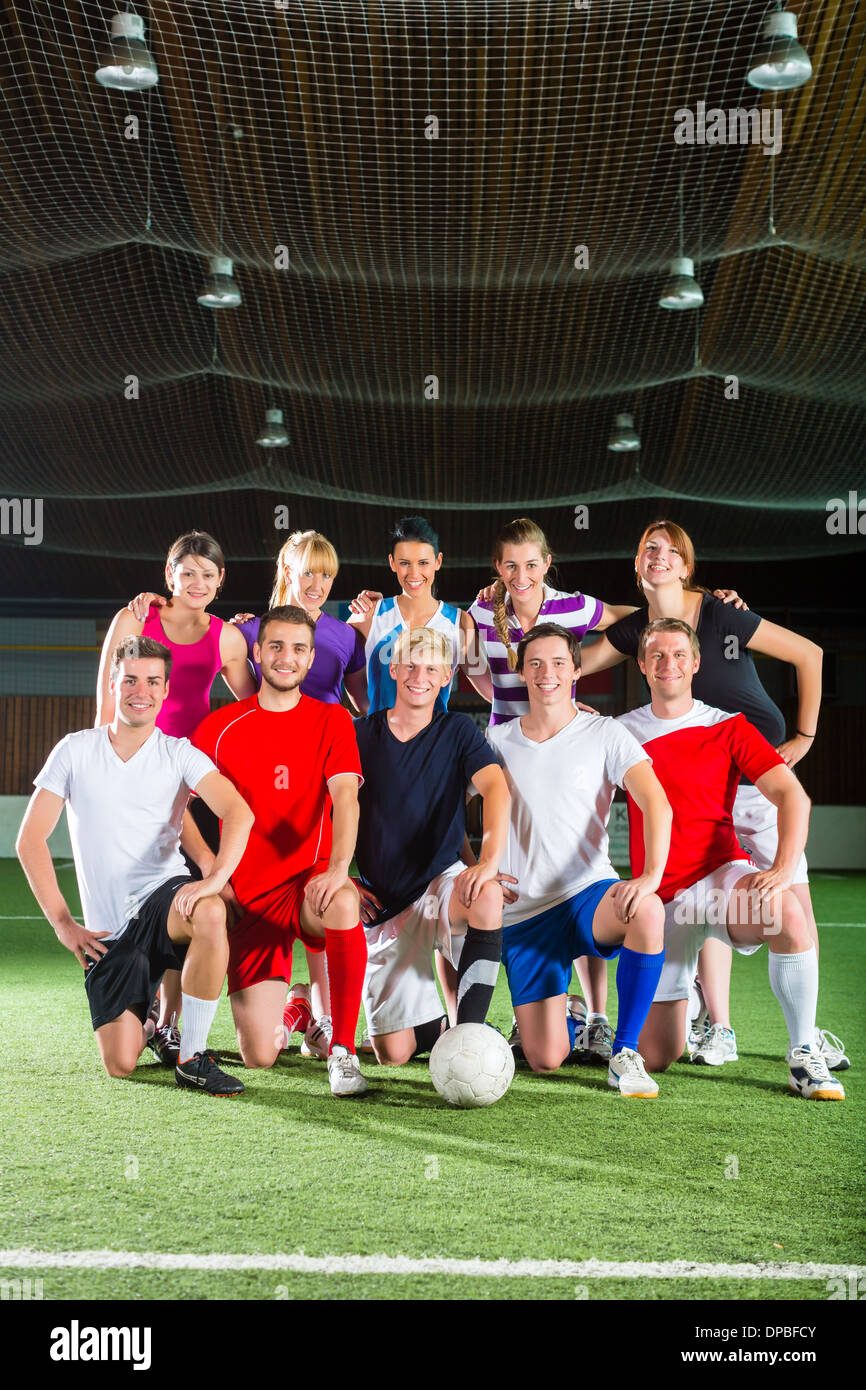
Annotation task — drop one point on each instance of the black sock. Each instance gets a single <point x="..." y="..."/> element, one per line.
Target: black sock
<point x="476" y="974"/>
<point x="426" y="1034"/>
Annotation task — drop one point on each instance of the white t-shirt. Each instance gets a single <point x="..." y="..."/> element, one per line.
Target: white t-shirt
<point x="124" y="817"/>
<point x="561" y="793"/>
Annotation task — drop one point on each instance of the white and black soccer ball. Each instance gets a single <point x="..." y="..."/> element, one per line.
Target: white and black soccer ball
<point x="471" y="1065"/>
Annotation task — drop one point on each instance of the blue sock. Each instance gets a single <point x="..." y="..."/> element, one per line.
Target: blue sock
<point x="637" y="977"/>
<point x="571" y="1025"/>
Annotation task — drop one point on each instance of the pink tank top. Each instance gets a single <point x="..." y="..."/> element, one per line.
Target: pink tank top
<point x="193" y="668"/>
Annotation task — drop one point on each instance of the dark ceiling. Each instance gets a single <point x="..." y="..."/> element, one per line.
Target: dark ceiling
<point x="410" y="257"/>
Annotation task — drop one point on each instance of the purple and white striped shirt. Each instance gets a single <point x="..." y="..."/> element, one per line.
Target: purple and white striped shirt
<point x="577" y="612"/>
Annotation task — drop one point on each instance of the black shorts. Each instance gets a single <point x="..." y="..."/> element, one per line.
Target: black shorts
<point x="128" y="975"/>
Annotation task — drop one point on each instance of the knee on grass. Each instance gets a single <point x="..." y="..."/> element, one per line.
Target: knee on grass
<point x="258" y="1056"/>
<point x="544" y="1059"/>
<point x="120" y="1066"/>
<point x="391" y="1053"/>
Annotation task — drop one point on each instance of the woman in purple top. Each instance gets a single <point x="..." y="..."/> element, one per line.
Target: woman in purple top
<point x="306" y="568"/>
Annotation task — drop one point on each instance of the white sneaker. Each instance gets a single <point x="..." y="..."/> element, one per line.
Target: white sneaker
<point x="365" y="1045"/>
<point x="719" y="1045"/>
<point x="317" y="1039"/>
<point x="628" y="1075"/>
<point x="832" y="1049"/>
<point x="344" y="1073"/>
<point x="514" y="1039"/>
<point x="698" y="1018"/>
<point x="810" y="1075"/>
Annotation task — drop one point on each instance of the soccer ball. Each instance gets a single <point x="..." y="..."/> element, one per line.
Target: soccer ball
<point x="471" y="1065"/>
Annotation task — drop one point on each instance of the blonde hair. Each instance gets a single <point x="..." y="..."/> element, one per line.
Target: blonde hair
<point x="303" y="550"/>
<point x="681" y="541"/>
<point x="521" y="531"/>
<point x="422" y="641"/>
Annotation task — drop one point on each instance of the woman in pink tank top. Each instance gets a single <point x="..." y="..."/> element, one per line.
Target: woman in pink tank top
<point x="201" y="645"/>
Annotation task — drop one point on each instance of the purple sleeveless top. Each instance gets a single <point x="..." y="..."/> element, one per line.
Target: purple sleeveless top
<point x="193" y="668"/>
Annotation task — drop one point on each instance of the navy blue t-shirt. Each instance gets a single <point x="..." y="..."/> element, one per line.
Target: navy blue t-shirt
<point x="413" y="802"/>
<point x="726" y="678"/>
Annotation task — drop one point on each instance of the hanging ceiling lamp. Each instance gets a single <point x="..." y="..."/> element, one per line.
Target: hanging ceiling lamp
<point x="220" y="289"/>
<point x="127" y="64"/>
<point x="780" y="62"/>
<point x="624" y="439"/>
<point x="681" y="290"/>
<point x="274" y="435"/>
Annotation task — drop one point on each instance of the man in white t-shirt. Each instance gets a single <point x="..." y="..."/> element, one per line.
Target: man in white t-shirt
<point x="562" y="767"/>
<point x="125" y="786"/>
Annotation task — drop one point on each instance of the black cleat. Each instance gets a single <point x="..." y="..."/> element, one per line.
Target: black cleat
<point x="165" y="1043"/>
<point x="201" y="1072"/>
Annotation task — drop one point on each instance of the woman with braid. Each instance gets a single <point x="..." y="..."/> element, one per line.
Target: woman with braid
<point x="520" y="599"/>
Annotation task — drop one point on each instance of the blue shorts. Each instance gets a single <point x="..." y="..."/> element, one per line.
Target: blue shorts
<point x="537" y="954"/>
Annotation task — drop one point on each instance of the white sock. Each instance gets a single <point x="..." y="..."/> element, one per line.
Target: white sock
<point x="198" y="1015"/>
<point x="794" y="981"/>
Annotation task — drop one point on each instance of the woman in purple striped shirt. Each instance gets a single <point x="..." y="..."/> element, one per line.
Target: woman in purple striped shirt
<point x="520" y="598"/>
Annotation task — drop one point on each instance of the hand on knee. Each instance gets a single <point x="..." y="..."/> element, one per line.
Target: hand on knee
<point x="209" y="918"/>
<point x="344" y="910"/>
<point x="485" y="914"/>
<point x="646" y="930"/>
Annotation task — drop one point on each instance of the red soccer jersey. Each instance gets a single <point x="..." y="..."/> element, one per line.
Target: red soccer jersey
<point x="698" y="759"/>
<point x="280" y="763"/>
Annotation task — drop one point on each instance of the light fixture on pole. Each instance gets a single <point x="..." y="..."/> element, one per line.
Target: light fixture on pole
<point x="274" y="435"/>
<point x="780" y="62"/>
<point x="624" y="439"/>
<point x="127" y="64"/>
<point x="681" y="290"/>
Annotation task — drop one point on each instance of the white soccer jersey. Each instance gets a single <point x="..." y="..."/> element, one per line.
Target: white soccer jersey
<point x="124" y="817"/>
<point x="561" y="793"/>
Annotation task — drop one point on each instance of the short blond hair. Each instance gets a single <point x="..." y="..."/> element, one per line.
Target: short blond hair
<point x="422" y="641"/>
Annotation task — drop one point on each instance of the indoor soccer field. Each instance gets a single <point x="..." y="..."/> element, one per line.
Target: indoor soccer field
<point x="136" y="1190"/>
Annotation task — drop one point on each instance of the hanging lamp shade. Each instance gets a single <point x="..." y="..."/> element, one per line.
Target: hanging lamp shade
<point x="127" y="64"/>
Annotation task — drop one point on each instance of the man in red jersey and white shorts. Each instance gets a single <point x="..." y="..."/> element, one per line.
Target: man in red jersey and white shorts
<point x="294" y="760"/>
<point x="710" y="887"/>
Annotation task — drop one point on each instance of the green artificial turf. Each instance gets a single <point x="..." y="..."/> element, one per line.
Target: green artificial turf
<point x="561" y="1169"/>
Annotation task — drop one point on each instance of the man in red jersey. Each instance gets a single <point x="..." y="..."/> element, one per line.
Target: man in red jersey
<point x="710" y="887"/>
<point x="292" y="759"/>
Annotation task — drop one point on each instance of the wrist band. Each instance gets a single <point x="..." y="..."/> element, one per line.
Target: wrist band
<point x="802" y="735"/>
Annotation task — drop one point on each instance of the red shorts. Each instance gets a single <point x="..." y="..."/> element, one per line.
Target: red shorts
<point x="260" y="946"/>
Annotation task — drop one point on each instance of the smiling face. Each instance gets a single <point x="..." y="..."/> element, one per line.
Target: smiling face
<point x="415" y="563"/>
<point x="669" y="663"/>
<point x="659" y="562"/>
<point x="419" y="679"/>
<point x="194" y="581"/>
<point x="522" y="569"/>
<point x="549" y="672"/>
<point x="139" y="687"/>
<point x="308" y="588"/>
<point x="285" y="655"/>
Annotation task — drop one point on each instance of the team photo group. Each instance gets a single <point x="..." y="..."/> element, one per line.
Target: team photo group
<point x="326" y="808"/>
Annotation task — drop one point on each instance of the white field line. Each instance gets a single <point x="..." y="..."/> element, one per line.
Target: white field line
<point x="400" y="1264"/>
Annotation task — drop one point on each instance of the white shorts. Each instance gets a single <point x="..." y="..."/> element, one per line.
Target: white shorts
<point x="755" y="823"/>
<point x="695" y="914"/>
<point x="400" y="979"/>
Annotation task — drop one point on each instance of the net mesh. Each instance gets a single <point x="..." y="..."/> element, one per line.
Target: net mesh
<point x="293" y="137"/>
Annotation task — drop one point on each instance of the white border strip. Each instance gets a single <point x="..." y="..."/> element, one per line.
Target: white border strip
<point x="401" y="1264"/>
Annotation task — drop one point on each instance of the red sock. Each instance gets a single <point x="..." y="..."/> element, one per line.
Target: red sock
<point x="346" y="955"/>
<point x="296" y="1018"/>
